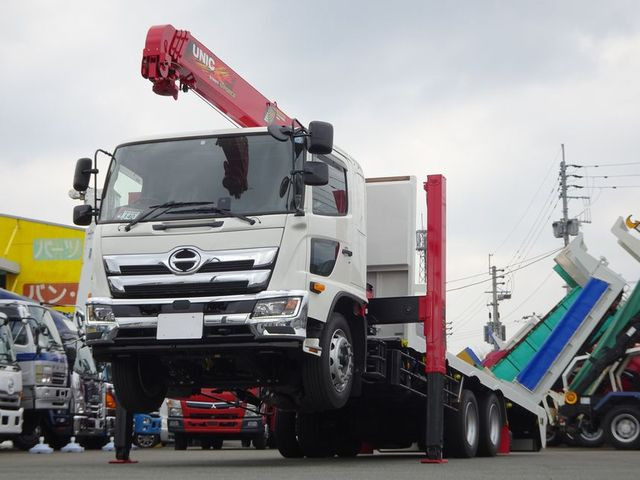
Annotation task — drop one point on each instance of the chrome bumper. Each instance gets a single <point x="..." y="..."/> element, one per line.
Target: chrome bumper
<point x="276" y="327"/>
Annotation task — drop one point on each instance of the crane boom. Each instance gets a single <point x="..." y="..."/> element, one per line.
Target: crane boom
<point x="174" y="60"/>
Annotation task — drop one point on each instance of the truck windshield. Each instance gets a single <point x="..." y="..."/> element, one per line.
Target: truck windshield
<point x="84" y="362"/>
<point x="7" y="354"/>
<point x="49" y="338"/>
<point x="243" y="174"/>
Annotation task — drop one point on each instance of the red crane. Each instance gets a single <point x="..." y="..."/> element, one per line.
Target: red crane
<point x="174" y="60"/>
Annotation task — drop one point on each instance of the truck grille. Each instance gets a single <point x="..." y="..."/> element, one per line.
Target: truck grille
<point x="209" y="273"/>
<point x="184" y="290"/>
<point x="58" y="378"/>
<point x="9" y="401"/>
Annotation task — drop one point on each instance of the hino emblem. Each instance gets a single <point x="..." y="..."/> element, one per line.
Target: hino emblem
<point x="185" y="260"/>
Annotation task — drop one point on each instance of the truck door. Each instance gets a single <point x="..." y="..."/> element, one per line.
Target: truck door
<point x="331" y="231"/>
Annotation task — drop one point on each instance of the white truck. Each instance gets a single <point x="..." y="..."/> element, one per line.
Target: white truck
<point x="238" y="258"/>
<point x="10" y="384"/>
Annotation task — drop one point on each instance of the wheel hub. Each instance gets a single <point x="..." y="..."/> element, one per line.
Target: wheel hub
<point x="340" y="360"/>
<point x="626" y="428"/>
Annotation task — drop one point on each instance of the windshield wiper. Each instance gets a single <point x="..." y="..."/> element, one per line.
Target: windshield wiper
<point x="220" y="211"/>
<point x="167" y="206"/>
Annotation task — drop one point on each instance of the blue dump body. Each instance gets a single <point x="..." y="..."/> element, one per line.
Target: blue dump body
<point x="540" y="363"/>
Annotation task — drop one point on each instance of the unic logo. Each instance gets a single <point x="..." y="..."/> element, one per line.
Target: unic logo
<point x="203" y="57"/>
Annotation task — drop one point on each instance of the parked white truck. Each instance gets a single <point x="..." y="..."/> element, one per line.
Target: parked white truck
<point x="10" y="384"/>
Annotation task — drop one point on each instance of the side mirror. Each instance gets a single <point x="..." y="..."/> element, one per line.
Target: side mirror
<point x="82" y="175"/>
<point x="82" y="215"/>
<point x="316" y="173"/>
<point x="320" y="138"/>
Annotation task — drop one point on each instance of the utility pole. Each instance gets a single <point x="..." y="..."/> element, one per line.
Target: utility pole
<point x="565" y="202"/>
<point x="567" y="227"/>
<point x="494" y="329"/>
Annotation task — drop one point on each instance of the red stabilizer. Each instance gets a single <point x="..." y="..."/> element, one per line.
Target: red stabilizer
<point x="434" y="460"/>
<point x="118" y="462"/>
<point x="505" y="444"/>
<point x="366" y="449"/>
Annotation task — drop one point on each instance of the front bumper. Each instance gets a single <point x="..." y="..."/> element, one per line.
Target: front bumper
<point x="10" y="421"/>
<point x="85" y="426"/>
<point x="228" y="428"/>
<point x="228" y="322"/>
<point x="51" y="397"/>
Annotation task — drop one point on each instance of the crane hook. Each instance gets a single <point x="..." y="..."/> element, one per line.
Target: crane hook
<point x="632" y="224"/>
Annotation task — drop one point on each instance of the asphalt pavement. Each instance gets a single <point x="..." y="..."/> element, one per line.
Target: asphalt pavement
<point x="248" y="464"/>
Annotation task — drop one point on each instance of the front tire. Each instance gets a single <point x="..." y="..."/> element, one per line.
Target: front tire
<point x="139" y="385"/>
<point x="180" y="442"/>
<point x="622" y="427"/>
<point x="328" y="379"/>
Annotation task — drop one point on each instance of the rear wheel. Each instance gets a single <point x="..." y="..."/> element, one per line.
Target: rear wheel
<point x="462" y="428"/>
<point x="328" y="379"/>
<point x="139" y="385"/>
<point x="622" y="427"/>
<point x="315" y="435"/>
<point x="285" y="434"/>
<point x="490" y="425"/>
<point x="590" y="437"/>
<point x="260" y="442"/>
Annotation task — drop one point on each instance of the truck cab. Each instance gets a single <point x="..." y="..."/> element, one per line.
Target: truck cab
<point x="230" y="259"/>
<point x="10" y="384"/>
<point x="45" y="379"/>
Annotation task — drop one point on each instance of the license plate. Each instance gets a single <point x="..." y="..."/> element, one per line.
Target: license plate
<point x="179" y="326"/>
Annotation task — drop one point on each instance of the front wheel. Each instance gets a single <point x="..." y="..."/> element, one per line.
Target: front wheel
<point x="139" y="385"/>
<point x="146" y="441"/>
<point x="180" y="442"/>
<point x="622" y="427"/>
<point x="328" y="379"/>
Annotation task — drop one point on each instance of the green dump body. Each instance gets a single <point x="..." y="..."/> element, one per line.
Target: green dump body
<point x="512" y="364"/>
<point x="616" y="326"/>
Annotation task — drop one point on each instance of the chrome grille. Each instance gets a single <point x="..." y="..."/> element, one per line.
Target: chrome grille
<point x="190" y="272"/>
<point x="58" y="378"/>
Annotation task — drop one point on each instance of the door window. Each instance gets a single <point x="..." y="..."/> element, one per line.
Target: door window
<point x="331" y="199"/>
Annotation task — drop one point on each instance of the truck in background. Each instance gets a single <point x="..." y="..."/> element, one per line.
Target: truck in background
<point x="10" y="384"/>
<point x="211" y="417"/>
<point x="45" y="375"/>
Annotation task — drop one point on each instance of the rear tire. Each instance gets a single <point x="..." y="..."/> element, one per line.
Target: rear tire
<point x="490" y="425"/>
<point x="622" y="427"/>
<point x="316" y="440"/>
<point x="260" y="443"/>
<point x="462" y="428"/>
<point x="328" y="379"/>
<point x="139" y="385"/>
<point x="285" y="434"/>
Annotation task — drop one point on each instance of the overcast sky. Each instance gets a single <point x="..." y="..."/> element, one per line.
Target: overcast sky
<point x="483" y="92"/>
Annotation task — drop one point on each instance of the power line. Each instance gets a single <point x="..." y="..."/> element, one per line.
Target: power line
<point x="605" y="165"/>
<point x="530" y="295"/>
<point x="615" y="187"/>
<point x="508" y="271"/>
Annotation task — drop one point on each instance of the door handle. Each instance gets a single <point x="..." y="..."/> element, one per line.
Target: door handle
<point x="347" y="252"/>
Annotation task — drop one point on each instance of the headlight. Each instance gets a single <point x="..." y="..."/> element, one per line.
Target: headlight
<point x="251" y="413"/>
<point x="174" y="407"/>
<point x="146" y="420"/>
<point x="44" y="375"/>
<point x="100" y="313"/>
<point x="277" y="307"/>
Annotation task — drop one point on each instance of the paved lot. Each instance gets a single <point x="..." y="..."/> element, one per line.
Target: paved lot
<point x="247" y="464"/>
